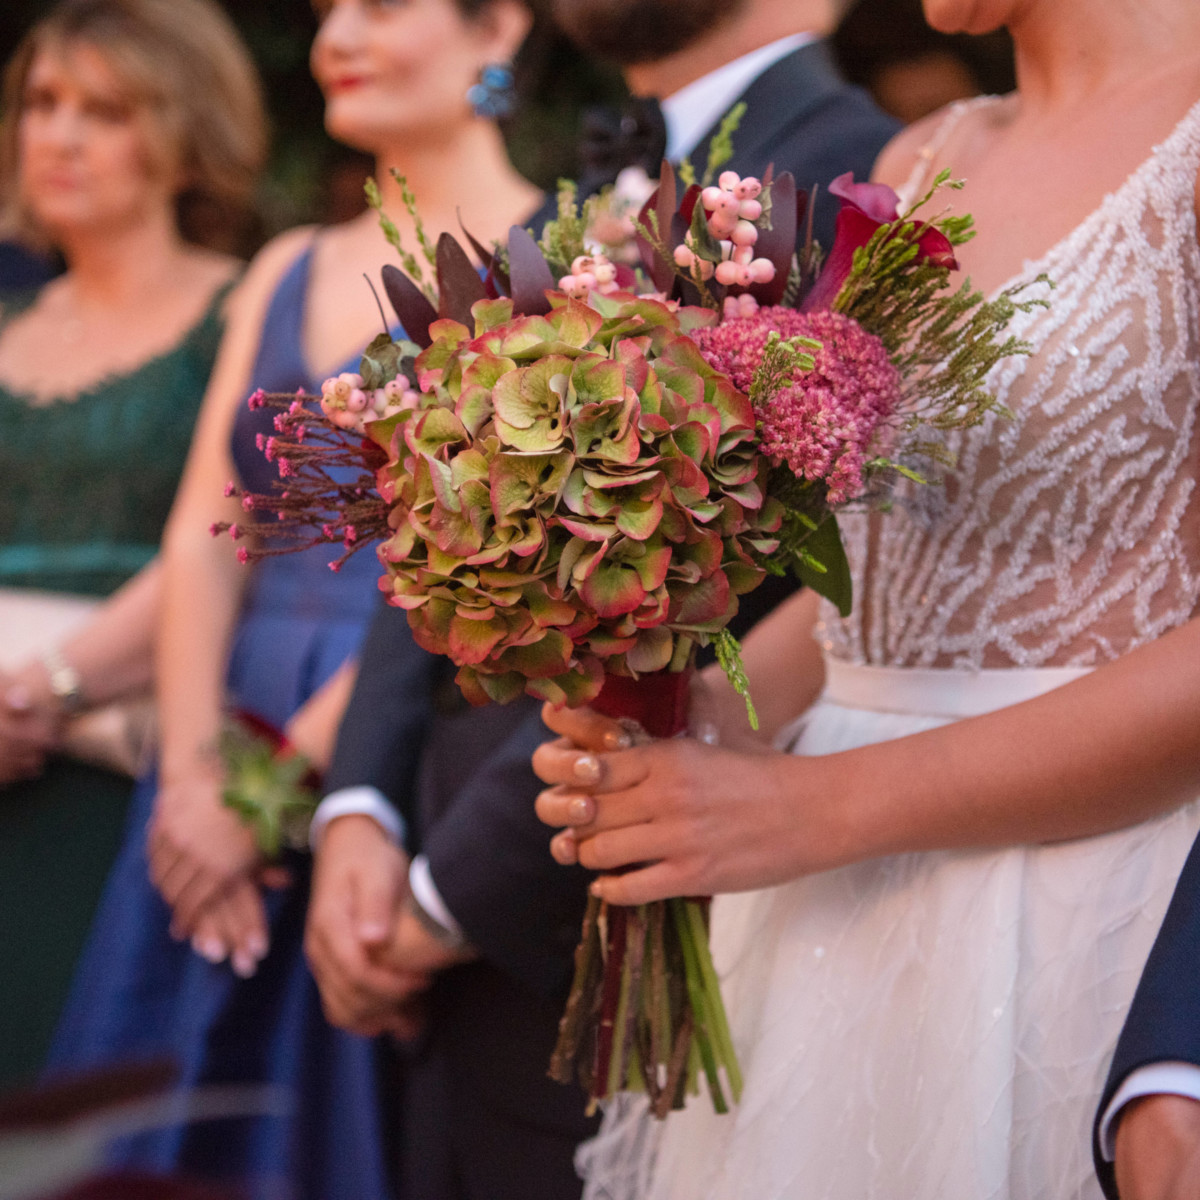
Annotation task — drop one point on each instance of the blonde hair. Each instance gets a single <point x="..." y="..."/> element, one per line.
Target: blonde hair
<point x="186" y="68"/>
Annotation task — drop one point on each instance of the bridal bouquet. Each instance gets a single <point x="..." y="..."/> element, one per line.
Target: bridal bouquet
<point x="575" y="467"/>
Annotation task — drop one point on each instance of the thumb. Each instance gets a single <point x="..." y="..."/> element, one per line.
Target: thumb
<point x="377" y="895"/>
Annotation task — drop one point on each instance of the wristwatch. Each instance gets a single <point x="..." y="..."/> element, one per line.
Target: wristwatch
<point x="65" y="684"/>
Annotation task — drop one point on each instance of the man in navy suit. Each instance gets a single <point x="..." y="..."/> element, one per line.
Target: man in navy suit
<point x="1147" y="1133"/>
<point x="481" y="908"/>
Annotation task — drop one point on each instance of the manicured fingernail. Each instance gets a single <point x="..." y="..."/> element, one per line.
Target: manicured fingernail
<point x="256" y="945"/>
<point x="210" y="949"/>
<point x="564" y="850"/>
<point x="617" y="739"/>
<point x="588" y="769"/>
<point x="596" y="890"/>
<point x="243" y="964"/>
<point x="581" y="810"/>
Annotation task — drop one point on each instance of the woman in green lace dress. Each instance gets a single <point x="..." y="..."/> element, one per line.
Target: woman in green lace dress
<point x="134" y="133"/>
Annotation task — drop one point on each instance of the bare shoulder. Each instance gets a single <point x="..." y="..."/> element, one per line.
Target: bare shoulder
<point x="267" y="268"/>
<point x="897" y="159"/>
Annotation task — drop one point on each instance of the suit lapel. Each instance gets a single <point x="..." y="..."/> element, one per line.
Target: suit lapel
<point x="782" y="95"/>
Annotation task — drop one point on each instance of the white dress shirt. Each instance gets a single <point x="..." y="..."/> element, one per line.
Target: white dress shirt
<point x="693" y="110"/>
<point x="1157" y="1079"/>
<point x="689" y="113"/>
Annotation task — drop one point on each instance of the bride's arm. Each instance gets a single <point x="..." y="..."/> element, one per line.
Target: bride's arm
<point x="1107" y="751"/>
<point x="785" y="670"/>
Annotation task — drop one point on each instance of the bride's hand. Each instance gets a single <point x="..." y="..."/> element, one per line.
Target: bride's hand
<point x="197" y="847"/>
<point x="689" y="819"/>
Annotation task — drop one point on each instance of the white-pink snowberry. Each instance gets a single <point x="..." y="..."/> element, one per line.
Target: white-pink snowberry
<point x="356" y="401"/>
<point x="727" y="273"/>
<point x="743" y="234"/>
<point x="762" y="270"/>
<point x="750" y="210"/>
<point x="728" y="180"/>
<point x="743" y="305"/>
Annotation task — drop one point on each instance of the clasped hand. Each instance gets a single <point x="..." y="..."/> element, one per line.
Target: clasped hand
<point x="30" y="724"/>
<point x="371" y="958"/>
<point x="679" y="818"/>
<point x="207" y="867"/>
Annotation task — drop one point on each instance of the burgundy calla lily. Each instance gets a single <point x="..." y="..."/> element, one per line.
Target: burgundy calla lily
<point x="865" y="207"/>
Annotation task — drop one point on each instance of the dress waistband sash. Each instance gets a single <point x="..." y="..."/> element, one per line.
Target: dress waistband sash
<point x="939" y="691"/>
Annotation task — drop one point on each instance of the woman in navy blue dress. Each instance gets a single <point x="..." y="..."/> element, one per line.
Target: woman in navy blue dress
<point x="200" y="960"/>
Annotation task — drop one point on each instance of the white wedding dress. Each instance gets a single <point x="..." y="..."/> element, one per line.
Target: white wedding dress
<point x="938" y="1026"/>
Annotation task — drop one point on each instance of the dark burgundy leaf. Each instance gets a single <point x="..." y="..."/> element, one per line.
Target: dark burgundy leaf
<point x="492" y="268"/>
<point x="687" y="205"/>
<point x="530" y="274"/>
<point x="779" y="242"/>
<point x="459" y="282"/>
<point x="410" y="304"/>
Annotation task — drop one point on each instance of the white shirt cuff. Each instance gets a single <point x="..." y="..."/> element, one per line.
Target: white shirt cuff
<point x="1156" y="1079"/>
<point x="425" y="893"/>
<point x="356" y="801"/>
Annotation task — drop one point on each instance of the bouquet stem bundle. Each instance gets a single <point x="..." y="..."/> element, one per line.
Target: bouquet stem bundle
<point x="645" y="1011"/>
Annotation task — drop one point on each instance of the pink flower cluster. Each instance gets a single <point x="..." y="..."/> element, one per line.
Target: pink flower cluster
<point x="821" y="425"/>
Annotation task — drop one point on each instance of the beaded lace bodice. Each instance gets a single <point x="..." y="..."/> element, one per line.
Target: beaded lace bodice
<point x="1070" y="533"/>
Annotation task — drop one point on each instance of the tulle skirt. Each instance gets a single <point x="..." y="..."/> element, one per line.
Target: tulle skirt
<point x="934" y="1025"/>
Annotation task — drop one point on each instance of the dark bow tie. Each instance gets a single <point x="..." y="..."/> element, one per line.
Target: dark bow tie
<point x="611" y="139"/>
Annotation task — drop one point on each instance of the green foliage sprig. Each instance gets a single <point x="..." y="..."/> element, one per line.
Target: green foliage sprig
<point x="729" y="659"/>
<point x="943" y="345"/>
<point x="565" y="238"/>
<point x="782" y="359"/>
<point x="720" y="149"/>
<point x="408" y="261"/>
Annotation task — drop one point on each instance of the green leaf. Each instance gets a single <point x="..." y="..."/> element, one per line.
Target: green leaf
<point x="382" y="360"/>
<point x="823" y="548"/>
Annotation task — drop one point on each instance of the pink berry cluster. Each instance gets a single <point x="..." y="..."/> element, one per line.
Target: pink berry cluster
<point x="590" y="273"/>
<point x="349" y="405"/>
<point x="823" y="424"/>
<point x="731" y="207"/>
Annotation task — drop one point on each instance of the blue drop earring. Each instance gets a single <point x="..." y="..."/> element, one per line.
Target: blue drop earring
<point x="492" y="97"/>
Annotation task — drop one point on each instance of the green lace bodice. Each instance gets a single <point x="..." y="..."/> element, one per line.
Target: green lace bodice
<point x="86" y="482"/>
